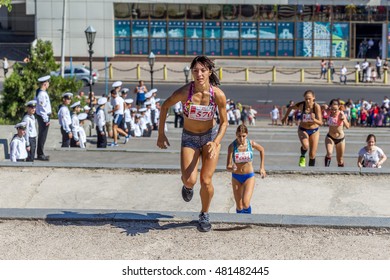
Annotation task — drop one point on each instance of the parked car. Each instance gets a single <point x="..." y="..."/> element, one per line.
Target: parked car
<point x="81" y="73"/>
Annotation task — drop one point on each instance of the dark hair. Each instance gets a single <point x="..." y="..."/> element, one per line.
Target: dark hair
<point x="334" y="100"/>
<point x="369" y="137"/>
<point x="113" y="91"/>
<point x="309" y="91"/>
<point x="242" y="129"/>
<point x="205" y="61"/>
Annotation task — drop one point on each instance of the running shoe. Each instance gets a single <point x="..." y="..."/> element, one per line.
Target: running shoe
<point x="126" y="140"/>
<point x="187" y="194"/>
<point x="113" y="144"/>
<point x="302" y="162"/>
<point x="204" y="222"/>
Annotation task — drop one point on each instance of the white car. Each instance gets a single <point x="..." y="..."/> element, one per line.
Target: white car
<point x="81" y="73"/>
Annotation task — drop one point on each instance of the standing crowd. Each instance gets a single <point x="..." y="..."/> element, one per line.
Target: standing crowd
<point x="112" y="115"/>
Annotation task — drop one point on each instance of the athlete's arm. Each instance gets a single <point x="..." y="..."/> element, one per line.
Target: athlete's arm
<point x="262" y="156"/>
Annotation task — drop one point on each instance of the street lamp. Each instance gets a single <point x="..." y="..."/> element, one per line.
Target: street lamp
<point x="151" y="59"/>
<point x="186" y="71"/>
<point x="90" y="34"/>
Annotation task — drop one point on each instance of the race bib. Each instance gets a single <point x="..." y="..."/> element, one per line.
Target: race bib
<point x="242" y="157"/>
<point x="307" y="118"/>
<point x="201" y="113"/>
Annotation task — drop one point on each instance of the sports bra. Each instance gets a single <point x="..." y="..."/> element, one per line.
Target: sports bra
<point x="307" y="117"/>
<point x="199" y="112"/>
<point x="242" y="157"/>
<point x="335" y="121"/>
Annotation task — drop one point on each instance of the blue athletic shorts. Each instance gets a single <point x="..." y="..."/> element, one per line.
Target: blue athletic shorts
<point x="242" y="177"/>
<point x="117" y="119"/>
<point x="198" y="140"/>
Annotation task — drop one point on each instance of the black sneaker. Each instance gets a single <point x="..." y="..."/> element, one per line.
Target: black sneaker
<point x="204" y="222"/>
<point x="187" y="194"/>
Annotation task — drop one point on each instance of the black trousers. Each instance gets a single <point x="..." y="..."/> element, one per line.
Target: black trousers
<point x="101" y="139"/>
<point x="153" y="116"/>
<point x="65" y="139"/>
<point x="43" y="129"/>
<point x="33" y="148"/>
<point x="179" y="120"/>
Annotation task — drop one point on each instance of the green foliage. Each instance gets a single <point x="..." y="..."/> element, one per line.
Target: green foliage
<point x="6" y="3"/>
<point x="21" y="86"/>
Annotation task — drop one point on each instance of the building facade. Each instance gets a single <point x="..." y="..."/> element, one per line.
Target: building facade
<point x="243" y="29"/>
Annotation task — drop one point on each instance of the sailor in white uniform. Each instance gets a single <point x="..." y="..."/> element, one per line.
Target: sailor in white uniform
<point x="65" y="120"/>
<point x="18" y="146"/>
<point x="31" y="129"/>
<point x="75" y="141"/>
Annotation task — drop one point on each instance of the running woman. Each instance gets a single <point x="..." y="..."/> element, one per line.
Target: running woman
<point x="201" y="136"/>
<point x="311" y="120"/>
<point x="239" y="162"/>
<point x="335" y="137"/>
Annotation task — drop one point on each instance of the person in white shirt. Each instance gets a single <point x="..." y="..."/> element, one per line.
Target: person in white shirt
<point x="386" y="102"/>
<point x="100" y="122"/>
<point x="151" y="97"/>
<point x="343" y="75"/>
<point x="75" y="126"/>
<point x="364" y="70"/>
<point x="358" y="70"/>
<point x="252" y="116"/>
<point x="274" y="115"/>
<point x="5" y="66"/>
<point x="178" y="109"/>
<point x="148" y="118"/>
<point x="81" y="132"/>
<point x="127" y="116"/>
<point x="237" y="115"/>
<point x="31" y="130"/>
<point x="117" y="110"/>
<point x="65" y="120"/>
<point x="137" y="126"/>
<point x="18" y="145"/>
<point x="43" y="112"/>
<point x="143" y="122"/>
<point x="230" y="115"/>
<point x="371" y="155"/>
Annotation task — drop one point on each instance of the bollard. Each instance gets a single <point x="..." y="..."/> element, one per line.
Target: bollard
<point x="328" y="72"/>
<point x="165" y="73"/>
<point x="220" y="73"/>
<point x="274" y="74"/>
<point x="385" y="76"/>
<point x="356" y="77"/>
<point x="138" y="72"/>
<point x="111" y="72"/>
<point x="302" y="75"/>
<point x="246" y="74"/>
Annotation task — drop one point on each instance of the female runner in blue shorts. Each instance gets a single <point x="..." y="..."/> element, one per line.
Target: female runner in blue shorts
<point x="308" y="133"/>
<point x="201" y="135"/>
<point x="239" y="162"/>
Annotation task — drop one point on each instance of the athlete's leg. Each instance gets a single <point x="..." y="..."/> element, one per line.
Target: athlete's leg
<point x="340" y="148"/>
<point x="238" y="194"/>
<point x="329" y="145"/>
<point x="248" y="187"/>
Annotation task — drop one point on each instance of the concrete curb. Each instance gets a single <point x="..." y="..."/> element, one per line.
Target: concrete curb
<point x="107" y="215"/>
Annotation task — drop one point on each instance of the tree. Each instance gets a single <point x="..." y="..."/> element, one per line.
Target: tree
<point x="6" y="3"/>
<point x="21" y="86"/>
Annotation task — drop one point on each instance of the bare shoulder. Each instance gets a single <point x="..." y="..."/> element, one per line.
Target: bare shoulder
<point x="219" y="94"/>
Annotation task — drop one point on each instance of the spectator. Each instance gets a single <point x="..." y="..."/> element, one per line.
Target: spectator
<point x="323" y="69"/>
<point x="31" y="130"/>
<point x="364" y="71"/>
<point x="178" y="110"/>
<point x="18" y="145"/>
<point x="358" y="70"/>
<point x="371" y="155"/>
<point x="140" y="91"/>
<point x="274" y="114"/>
<point x="5" y="66"/>
<point x="252" y="116"/>
<point x="378" y="64"/>
<point x="343" y="75"/>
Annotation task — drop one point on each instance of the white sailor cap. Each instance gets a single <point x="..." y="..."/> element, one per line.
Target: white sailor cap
<point x="142" y="110"/>
<point x="148" y="103"/>
<point x="157" y="100"/>
<point x="138" y="116"/>
<point x="44" y="79"/>
<point x="67" y="95"/>
<point x="117" y="84"/>
<point x="102" y="100"/>
<point x="133" y="110"/>
<point x="31" y="103"/>
<point x="150" y="93"/>
<point x="86" y="107"/>
<point x="129" y="101"/>
<point x="74" y="105"/>
<point x="125" y="90"/>
<point x="21" y="125"/>
<point x="82" y="116"/>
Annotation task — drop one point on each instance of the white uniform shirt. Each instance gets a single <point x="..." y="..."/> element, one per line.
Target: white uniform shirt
<point x="127" y="115"/>
<point x="31" y="129"/>
<point x="64" y="118"/>
<point x="118" y="101"/>
<point x="82" y="137"/>
<point x="75" y="127"/>
<point x="275" y="114"/>
<point x="137" y="129"/>
<point x="100" y="119"/>
<point x="18" y="148"/>
<point x="153" y="103"/>
<point x="43" y="105"/>
<point x="148" y="116"/>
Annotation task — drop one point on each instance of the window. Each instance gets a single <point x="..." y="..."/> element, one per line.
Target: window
<point x="195" y="11"/>
<point x="213" y="12"/>
<point x="176" y="11"/>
